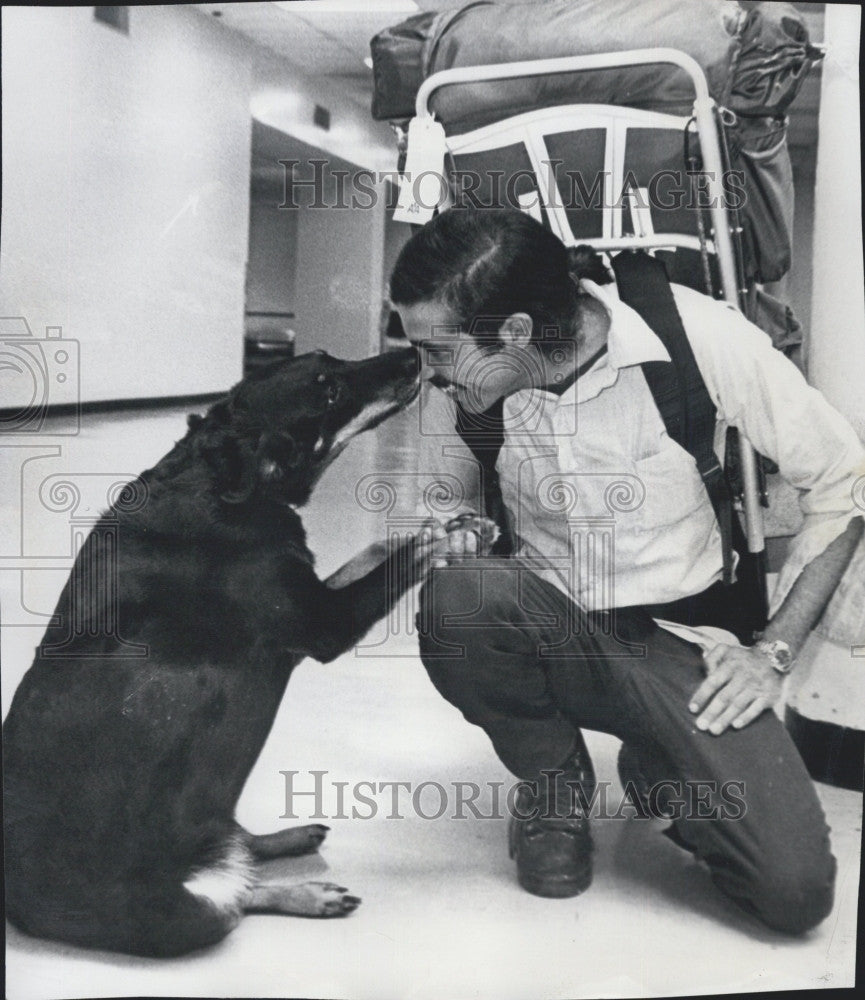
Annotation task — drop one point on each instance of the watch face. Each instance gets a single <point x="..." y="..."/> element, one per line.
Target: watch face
<point x="785" y="660"/>
<point x="780" y="655"/>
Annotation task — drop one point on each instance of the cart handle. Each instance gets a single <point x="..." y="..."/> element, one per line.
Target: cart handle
<point x="563" y="64"/>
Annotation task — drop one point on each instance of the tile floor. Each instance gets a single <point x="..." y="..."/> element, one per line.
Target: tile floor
<point x="442" y="915"/>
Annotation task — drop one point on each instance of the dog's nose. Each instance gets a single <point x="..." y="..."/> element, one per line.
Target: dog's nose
<point x="410" y="359"/>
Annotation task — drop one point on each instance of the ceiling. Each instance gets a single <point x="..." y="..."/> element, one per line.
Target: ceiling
<point x="327" y="43"/>
<point x="331" y="44"/>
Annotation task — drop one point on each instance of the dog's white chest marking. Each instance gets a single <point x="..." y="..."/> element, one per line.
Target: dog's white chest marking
<point x="227" y="883"/>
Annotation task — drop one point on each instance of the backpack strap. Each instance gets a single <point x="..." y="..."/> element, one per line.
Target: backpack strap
<point x="678" y="388"/>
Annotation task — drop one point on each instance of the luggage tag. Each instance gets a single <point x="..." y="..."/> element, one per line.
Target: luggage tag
<point x="423" y="186"/>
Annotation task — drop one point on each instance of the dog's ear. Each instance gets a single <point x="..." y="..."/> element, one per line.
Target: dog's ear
<point x="220" y="415"/>
<point x="222" y="412"/>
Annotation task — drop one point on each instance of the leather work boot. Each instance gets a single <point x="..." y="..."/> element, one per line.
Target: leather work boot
<point x="553" y="849"/>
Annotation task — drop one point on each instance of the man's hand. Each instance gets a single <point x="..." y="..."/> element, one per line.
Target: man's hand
<point x="741" y="683"/>
<point x="463" y="537"/>
<point x="436" y="545"/>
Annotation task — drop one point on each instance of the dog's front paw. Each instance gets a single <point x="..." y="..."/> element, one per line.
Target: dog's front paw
<point x="322" y="899"/>
<point x="431" y="545"/>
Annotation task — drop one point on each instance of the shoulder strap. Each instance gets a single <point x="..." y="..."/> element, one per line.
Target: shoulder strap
<point x="678" y="388"/>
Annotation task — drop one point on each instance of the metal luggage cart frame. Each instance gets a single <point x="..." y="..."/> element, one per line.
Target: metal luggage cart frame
<point x="533" y="128"/>
<point x="704" y="114"/>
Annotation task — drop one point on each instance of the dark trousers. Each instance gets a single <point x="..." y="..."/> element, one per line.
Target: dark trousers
<point x="520" y="660"/>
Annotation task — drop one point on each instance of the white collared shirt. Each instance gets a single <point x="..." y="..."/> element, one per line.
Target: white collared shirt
<point x="607" y="507"/>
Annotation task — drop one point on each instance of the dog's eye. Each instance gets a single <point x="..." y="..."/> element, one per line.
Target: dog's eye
<point x="332" y="389"/>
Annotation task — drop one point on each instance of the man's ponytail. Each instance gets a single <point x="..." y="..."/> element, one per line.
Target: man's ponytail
<point x="585" y="262"/>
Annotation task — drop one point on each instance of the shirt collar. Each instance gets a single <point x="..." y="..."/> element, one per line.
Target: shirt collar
<point x="630" y="340"/>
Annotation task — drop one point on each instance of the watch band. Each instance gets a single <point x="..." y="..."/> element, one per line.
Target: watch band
<point x="778" y="653"/>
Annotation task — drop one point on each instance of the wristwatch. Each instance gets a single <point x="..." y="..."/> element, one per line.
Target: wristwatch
<point x="778" y="653"/>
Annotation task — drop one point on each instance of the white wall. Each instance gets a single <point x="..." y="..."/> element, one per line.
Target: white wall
<point x="126" y="194"/>
<point x="339" y="274"/>
<point x="836" y="358"/>
<point x="272" y="257"/>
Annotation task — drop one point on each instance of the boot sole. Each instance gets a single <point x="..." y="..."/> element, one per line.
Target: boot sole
<point x="555" y="887"/>
<point x="558" y="886"/>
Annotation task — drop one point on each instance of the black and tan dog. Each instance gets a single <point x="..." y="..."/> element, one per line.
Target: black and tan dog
<point x="122" y="772"/>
